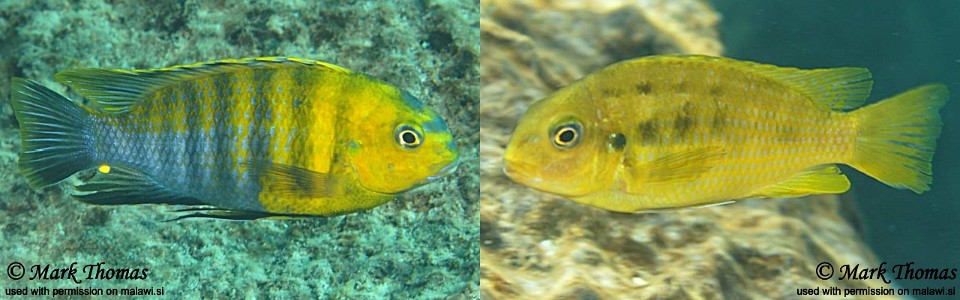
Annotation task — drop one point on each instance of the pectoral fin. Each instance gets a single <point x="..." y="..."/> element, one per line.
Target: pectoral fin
<point x="683" y="165"/>
<point x="825" y="179"/>
<point x="673" y="168"/>
<point x="295" y="182"/>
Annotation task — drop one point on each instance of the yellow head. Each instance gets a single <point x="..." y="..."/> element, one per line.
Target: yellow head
<point x="398" y="143"/>
<point x="559" y="146"/>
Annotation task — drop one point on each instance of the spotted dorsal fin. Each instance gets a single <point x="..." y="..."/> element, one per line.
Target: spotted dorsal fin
<point x="117" y="91"/>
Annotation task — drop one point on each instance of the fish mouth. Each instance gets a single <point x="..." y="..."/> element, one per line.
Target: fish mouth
<point x="444" y="172"/>
<point x="520" y="172"/>
<point x="530" y="175"/>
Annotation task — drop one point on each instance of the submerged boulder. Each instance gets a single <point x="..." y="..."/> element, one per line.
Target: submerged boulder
<point x="535" y="245"/>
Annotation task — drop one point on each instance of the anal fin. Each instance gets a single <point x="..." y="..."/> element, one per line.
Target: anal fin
<point x="824" y="179"/>
<point x="128" y="186"/>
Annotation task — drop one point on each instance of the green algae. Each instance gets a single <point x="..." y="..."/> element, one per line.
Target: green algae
<point x="423" y="245"/>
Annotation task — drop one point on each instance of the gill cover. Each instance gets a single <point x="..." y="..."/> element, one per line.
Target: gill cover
<point x="399" y="144"/>
<point x="555" y="147"/>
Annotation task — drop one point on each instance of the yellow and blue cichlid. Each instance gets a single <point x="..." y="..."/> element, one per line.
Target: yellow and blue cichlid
<point x="245" y="139"/>
<point x="676" y="131"/>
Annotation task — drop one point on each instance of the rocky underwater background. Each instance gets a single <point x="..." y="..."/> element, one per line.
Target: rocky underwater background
<point x="535" y="245"/>
<point x="422" y="245"/>
<point x="476" y="233"/>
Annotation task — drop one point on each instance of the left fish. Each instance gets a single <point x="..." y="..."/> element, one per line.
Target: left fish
<point x="238" y="139"/>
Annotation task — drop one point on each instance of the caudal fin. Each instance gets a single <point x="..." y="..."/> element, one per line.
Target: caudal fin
<point x="897" y="137"/>
<point x="55" y="138"/>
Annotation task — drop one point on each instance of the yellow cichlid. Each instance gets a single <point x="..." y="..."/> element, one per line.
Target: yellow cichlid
<point x="676" y="131"/>
<point x="240" y="139"/>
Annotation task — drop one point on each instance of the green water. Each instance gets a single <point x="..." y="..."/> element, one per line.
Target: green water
<point x="904" y="44"/>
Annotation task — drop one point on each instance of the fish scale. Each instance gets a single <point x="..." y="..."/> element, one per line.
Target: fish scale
<point x="700" y="130"/>
<point x="250" y="138"/>
<point x="752" y="136"/>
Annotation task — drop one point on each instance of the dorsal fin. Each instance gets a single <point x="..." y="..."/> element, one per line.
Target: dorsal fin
<point x="837" y="89"/>
<point x="116" y="91"/>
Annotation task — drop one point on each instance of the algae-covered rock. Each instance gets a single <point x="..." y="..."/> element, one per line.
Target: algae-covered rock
<point x="535" y="245"/>
<point x="423" y="245"/>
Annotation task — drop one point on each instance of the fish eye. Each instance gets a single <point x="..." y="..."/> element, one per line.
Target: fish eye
<point x="408" y="137"/>
<point x="566" y="135"/>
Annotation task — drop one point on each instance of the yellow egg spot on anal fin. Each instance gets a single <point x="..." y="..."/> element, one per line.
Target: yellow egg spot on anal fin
<point x="825" y="179"/>
<point x="119" y="185"/>
<point x="104" y="168"/>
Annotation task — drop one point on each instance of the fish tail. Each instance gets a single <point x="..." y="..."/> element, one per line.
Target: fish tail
<point x="897" y="137"/>
<point x="54" y="133"/>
